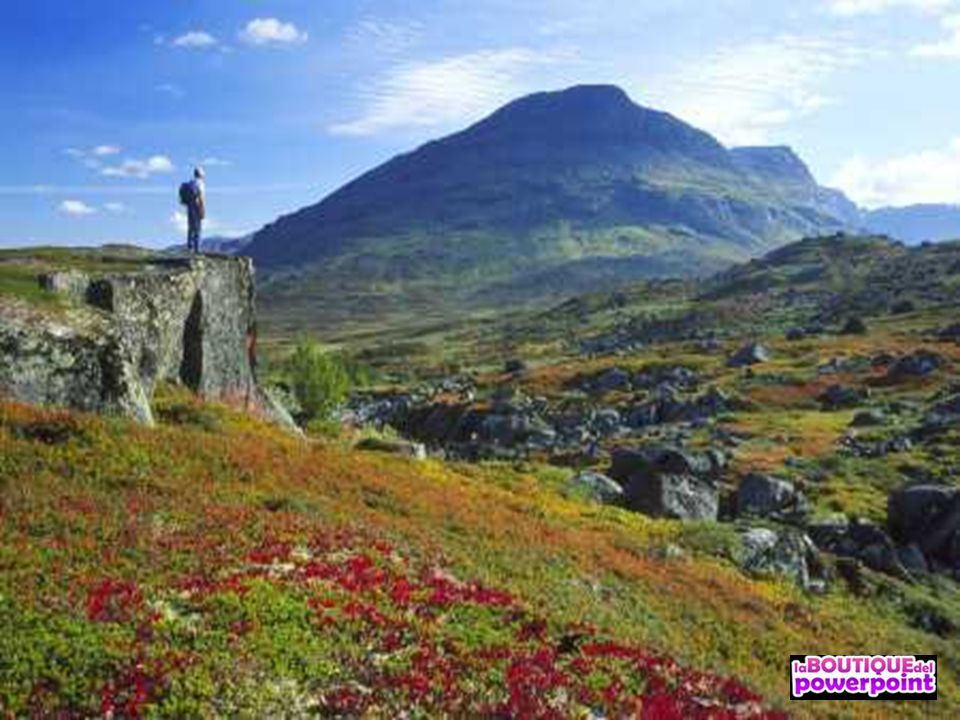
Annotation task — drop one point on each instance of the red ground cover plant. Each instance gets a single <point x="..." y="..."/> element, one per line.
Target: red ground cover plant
<point x="431" y="643"/>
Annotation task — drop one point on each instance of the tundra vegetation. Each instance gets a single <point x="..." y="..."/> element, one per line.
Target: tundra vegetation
<point x="216" y="565"/>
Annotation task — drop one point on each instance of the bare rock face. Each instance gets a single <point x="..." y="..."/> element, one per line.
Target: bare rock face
<point x="190" y="321"/>
<point x="78" y="361"/>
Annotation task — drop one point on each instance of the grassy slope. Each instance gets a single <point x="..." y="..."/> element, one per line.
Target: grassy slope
<point x="86" y="500"/>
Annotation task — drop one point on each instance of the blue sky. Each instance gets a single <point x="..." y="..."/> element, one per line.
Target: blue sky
<point x="107" y="104"/>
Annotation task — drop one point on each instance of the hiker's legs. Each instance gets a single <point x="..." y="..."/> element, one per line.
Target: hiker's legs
<point x="193" y="231"/>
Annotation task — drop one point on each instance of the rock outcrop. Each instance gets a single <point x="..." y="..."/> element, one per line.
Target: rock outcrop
<point x="184" y="320"/>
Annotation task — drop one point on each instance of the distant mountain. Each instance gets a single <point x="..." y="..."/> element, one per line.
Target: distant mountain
<point x="221" y="245"/>
<point x="226" y="245"/>
<point x="916" y="223"/>
<point x="552" y="194"/>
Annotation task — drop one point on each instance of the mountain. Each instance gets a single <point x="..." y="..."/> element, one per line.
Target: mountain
<point x="552" y="194"/>
<point x="218" y="244"/>
<point x="916" y="223"/>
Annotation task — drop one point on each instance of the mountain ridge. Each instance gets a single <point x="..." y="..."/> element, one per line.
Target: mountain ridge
<point x="574" y="179"/>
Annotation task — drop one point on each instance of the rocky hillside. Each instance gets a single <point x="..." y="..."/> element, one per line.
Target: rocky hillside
<point x="99" y="332"/>
<point x="552" y="194"/>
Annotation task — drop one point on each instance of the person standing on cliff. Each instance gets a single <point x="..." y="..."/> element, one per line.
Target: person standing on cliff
<point x="193" y="196"/>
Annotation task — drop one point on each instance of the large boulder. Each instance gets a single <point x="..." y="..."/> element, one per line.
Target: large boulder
<point x="189" y="321"/>
<point x="664" y="481"/>
<point x="78" y="361"/>
<point x="928" y="515"/>
<point x="767" y="496"/>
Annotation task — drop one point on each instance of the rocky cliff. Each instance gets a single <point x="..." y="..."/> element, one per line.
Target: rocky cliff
<point x="113" y="336"/>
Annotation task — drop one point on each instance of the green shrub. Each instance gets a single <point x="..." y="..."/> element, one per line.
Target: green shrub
<point x="320" y="379"/>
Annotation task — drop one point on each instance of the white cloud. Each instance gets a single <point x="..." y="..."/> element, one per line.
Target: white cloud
<point x="452" y="90"/>
<point x="850" y="8"/>
<point x="179" y="221"/>
<point x="929" y="176"/>
<point x="133" y="168"/>
<point x="105" y="150"/>
<point x="76" y="208"/>
<point x="117" y="208"/>
<point x="947" y="48"/>
<point x="270" y="31"/>
<point x="743" y="93"/>
<point x="194" y="39"/>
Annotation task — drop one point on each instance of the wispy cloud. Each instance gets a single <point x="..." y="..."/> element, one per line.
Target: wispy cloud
<point x="385" y="37"/>
<point x="213" y="161"/>
<point x="174" y="91"/>
<point x="141" y="169"/>
<point x="75" y="208"/>
<point x="117" y="208"/>
<point x="271" y="31"/>
<point x="198" y="39"/>
<point x="444" y="92"/>
<point x="930" y="176"/>
<point x="743" y="93"/>
<point x="850" y="8"/>
<point x="98" y="151"/>
<point x="948" y="48"/>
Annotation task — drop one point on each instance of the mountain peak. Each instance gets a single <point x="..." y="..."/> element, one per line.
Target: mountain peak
<point x="588" y="120"/>
<point x="589" y="97"/>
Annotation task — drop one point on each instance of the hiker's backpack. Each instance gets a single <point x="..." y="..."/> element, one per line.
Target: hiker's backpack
<point x="188" y="195"/>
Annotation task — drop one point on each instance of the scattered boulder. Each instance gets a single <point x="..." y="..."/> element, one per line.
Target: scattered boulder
<point x="868" y="418"/>
<point x="854" y="326"/>
<point x="876" y="448"/>
<point x="950" y="333"/>
<point x="514" y="366"/>
<point x="664" y="481"/>
<point x="903" y="307"/>
<point x="599" y="487"/>
<point x="787" y="552"/>
<point x="613" y="379"/>
<point x="677" y="376"/>
<point x="918" y="364"/>
<point x="767" y="496"/>
<point x="839" y="397"/>
<point x="750" y="354"/>
<point x="861" y="540"/>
